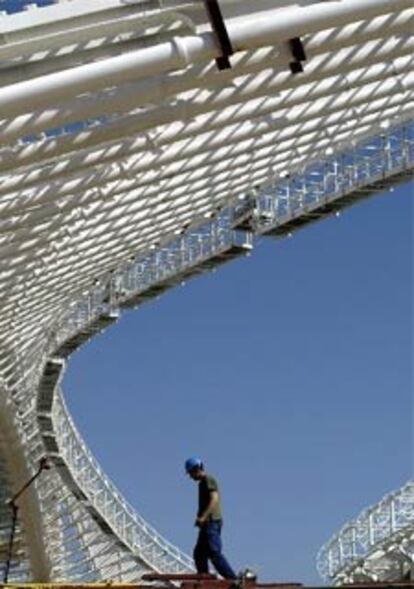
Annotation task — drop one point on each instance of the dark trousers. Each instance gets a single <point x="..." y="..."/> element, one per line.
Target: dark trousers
<point x="209" y="547"/>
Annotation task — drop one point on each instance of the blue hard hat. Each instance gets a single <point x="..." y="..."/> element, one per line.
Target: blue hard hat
<point x="192" y="463"/>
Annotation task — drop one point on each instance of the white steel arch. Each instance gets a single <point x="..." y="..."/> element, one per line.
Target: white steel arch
<point x="130" y="161"/>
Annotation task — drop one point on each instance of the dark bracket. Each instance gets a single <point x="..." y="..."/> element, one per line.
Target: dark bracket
<point x="219" y="28"/>
<point x="298" y="52"/>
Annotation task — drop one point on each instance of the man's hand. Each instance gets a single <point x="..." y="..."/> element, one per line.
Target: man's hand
<point x="200" y="521"/>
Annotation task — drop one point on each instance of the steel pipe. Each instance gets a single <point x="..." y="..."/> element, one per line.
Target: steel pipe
<point x="125" y="99"/>
<point x="180" y="52"/>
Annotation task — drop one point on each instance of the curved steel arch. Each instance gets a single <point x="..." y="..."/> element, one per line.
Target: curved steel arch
<point x="128" y="163"/>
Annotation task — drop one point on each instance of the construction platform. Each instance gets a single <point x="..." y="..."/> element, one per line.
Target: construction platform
<point x="194" y="581"/>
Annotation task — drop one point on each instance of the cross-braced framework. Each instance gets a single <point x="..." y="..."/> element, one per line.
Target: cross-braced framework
<point x="143" y="143"/>
<point x="377" y="545"/>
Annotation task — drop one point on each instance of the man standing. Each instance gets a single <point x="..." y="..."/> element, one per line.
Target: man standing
<point x="209" y="520"/>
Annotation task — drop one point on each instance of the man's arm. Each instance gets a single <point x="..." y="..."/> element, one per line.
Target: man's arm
<point x="214" y="499"/>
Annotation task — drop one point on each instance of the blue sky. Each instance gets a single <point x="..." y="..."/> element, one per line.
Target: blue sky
<point x="16" y="5"/>
<point x="289" y="372"/>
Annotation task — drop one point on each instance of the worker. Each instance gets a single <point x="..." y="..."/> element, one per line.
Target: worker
<point x="209" y="520"/>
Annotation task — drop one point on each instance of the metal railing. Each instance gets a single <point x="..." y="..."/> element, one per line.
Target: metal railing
<point x="194" y="253"/>
<point x="103" y="496"/>
<point x="323" y="188"/>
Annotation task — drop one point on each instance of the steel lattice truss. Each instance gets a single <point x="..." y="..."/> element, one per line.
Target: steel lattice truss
<point x="377" y="545"/>
<point x="132" y="158"/>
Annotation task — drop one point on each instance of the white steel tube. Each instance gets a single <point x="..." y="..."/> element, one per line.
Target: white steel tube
<point x="245" y="34"/>
<point x="345" y="63"/>
<point x="59" y="17"/>
<point x="152" y="90"/>
<point x="294" y="110"/>
<point x="294" y="22"/>
<point x="124" y="99"/>
<point x="19" y="69"/>
<point x="25" y="44"/>
<point x="247" y="114"/>
<point x="162" y="87"/>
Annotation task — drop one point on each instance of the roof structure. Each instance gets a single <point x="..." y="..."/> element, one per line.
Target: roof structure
<point x="143" y="142"/>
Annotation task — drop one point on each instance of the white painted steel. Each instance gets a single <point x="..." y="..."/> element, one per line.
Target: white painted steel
<point x="14" y="472"/>
<point x="161" y="87"/>
<point x="284" y="110"/>
<point x="123" y="155"/>
<point x="223" y="166"/>
<point x="377" y="545"/>
<point x="245" y="34"/>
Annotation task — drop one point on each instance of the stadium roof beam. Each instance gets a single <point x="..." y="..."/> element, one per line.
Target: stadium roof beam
<point x="145" y="92"/>
<point x="339" y="71"/>
<point x="252" y="32"/>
